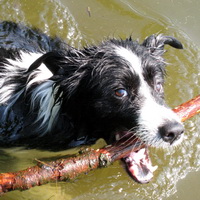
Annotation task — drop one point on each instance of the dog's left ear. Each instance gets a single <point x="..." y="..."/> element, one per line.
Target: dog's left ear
<point x="158" y="42"/>
<point x="50" y="59"/>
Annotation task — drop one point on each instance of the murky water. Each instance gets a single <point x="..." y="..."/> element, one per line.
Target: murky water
<point x="82" y="22"/>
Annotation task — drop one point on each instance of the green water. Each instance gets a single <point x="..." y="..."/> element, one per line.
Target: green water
<point x="82" y="22"/>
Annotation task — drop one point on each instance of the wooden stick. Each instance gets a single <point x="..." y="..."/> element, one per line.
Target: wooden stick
<point x="188" y="109"/>
<point x="69" y="168"/>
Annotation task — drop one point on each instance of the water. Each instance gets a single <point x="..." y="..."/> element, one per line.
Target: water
<point x="90" y="21"/>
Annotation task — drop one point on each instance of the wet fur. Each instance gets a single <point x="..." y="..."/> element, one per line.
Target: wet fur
<point x="57" y="96"/>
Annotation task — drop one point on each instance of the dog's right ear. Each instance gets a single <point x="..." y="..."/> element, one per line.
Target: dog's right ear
<point x="50" y="59"/>
<point x="158" y="42"/>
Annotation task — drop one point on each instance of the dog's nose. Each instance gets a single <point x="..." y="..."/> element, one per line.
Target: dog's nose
<point x="171" y="131"/>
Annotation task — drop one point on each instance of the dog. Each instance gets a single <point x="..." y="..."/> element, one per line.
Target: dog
<point x="54" y="95"/>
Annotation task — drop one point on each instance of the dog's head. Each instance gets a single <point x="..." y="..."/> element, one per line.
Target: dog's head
<point x="120" y="90"/>
<point x="115" y="90"/>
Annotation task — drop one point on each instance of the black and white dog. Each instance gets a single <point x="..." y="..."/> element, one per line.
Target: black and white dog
<point x="53" y="95"/>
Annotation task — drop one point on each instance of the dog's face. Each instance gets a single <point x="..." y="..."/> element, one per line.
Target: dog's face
<point x="123" y="92"/>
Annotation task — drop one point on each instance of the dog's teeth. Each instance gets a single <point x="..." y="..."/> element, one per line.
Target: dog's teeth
<point x="117" y="137"/>
<point x="154" y="168"/>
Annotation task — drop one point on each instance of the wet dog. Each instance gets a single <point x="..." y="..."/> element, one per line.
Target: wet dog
<point x="55" y="95"/>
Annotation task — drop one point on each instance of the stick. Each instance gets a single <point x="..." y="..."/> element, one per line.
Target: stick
<point x="70" y="168"/>
<point x="188" y="109"/>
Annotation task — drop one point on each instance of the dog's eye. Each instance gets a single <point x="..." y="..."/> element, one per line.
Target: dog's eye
<point x="121" y="93"/>
<point x="159" y="87"/>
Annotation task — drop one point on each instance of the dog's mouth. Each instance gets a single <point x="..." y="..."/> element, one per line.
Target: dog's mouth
<point x="139" y="165"/>
<point x="138" y="162"/>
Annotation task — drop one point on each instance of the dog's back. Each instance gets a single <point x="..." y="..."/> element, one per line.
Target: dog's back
<point x="16" y="37"/>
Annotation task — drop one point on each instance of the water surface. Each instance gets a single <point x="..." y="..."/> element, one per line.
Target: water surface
<point x="90" y="21"/>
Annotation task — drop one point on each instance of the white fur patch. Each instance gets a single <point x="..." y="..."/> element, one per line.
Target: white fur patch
<point x="133" y="59"/>
<point x="152" y="116"/>
<point x="43" y="96"/>
<point x="26" y="60"/>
